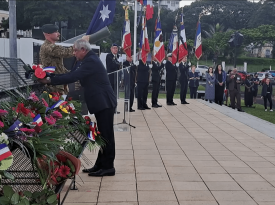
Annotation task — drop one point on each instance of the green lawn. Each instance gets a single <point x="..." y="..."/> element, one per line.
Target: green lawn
<point x="258" y="111"/>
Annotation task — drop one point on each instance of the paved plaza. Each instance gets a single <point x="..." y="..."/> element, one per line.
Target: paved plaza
<point x="196" y="154"/>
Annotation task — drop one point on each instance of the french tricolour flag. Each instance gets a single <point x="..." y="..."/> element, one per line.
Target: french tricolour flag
<point x="182" y="45"/>
<point x="126" y="41"/>
<point x="173" y="45"/>
<point x="38" y="120"/>
<point x="4" y="151"/>
<point x="159" y="51"/>
<point x="58" y="103"/>
<point x="49" y="69"/>
<point x="149" y="8"/>
<point x="198" y="44"/>
<point x="91" y="134"/>
<point x="144" y="42"/>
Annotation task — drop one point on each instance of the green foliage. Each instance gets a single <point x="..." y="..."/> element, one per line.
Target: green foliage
<point x="45" y="197"/>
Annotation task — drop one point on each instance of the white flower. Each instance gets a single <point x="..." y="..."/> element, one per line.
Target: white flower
<point x="3" y="138"/>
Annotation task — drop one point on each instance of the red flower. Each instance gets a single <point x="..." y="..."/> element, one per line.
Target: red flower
<point x="61" y="158"/>
<point x="72" y="111"/>
<point x="87" y="118"/>
<point x="54" y="179"/>
<point x="1" y="124"/>
<point x="64" y="171"/>
<point x="37" y="129"/>
<point x="3" y="112"/>
<point x="33" y="97"/>
<point x="87" y="122"/>
<point x="34" y="67"/>
<point x="70" y="99"/>
<point x="50" y="120"/>
<point x="39" y="73"/>
<point x="44" y="102"/>
<point x="27" y="130"/>
<point x="56" y="114"/>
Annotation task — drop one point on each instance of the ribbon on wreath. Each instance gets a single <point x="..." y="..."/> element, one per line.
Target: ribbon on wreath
<point x="4" y="151"/>
<point x="92" y="134"/>
<point x="50" y="69"/>
<point x="58" y="103"/>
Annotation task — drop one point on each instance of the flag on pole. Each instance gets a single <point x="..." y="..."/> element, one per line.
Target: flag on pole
<point x="198" y="44"/>
<point x="126" y="40"/>
<point x="173" y="45"/>
<point x="182" y="44"/>
<point x="144" y="42"/>
<point x="159" y="51"/>
<point x="149" y="8"/>
<point x="103" y="16"/>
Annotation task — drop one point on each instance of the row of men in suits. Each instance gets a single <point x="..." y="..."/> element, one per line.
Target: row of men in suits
<point x="138" y="74"/>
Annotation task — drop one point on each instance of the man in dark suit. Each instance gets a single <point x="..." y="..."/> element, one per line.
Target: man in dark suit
<point x="234" y="81"/>
<point x="142" y="84"/>
<point x="184" y="78"/>
<point x="171" y="79"/>
<point x="113" y="64"/>
<point x="100" y="99"/>
<point x="156" y="75"/>
<point x="129" y="81"/>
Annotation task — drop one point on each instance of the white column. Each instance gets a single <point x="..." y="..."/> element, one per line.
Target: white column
<point x="135" y="32"/>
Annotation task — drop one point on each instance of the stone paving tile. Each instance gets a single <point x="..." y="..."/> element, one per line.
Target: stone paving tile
<point x="184" y="155"/>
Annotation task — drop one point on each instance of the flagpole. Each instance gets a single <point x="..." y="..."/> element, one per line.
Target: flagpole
<point x="135" y="33"/>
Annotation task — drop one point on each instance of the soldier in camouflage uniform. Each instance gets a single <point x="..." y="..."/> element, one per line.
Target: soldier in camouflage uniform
<point x="52" y="55"/>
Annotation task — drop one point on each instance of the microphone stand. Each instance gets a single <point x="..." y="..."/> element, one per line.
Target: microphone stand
<point x="124" y="110"/>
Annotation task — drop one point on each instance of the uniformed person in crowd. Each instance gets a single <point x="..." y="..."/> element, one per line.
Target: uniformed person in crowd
<point x="143" y="73"/>
<point x="184" y="78"/>
<point x="171" y="79"/>
<point x="129" y="81"/>
<point x="156" y="76"/>
<point x="100" y="99"/>
<point x="113" y="64"/>
<point x="52" y="55"/>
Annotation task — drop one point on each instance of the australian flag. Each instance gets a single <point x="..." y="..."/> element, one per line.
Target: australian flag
<point x="103" y="16"/>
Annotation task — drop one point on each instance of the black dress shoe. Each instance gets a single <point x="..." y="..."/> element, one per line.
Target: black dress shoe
<point x="240" y="110"/>
<point x="93" y="169"/>
<point x="147" y="108"/>
<point x="103" y="172"/>
<point x="210" y="101"/>
<point x="155" y="106"/>
<point x="132" y="110"/>
<point x="174" y="103"/>
<point x="117" y="112"/>
<point x="141" y="108"/>
<point x="169" y="103"/>
<point x="159" y="105"/>
<point x="185" y="103"/>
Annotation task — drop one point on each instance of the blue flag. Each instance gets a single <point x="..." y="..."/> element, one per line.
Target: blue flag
<point x="103" y="16"/>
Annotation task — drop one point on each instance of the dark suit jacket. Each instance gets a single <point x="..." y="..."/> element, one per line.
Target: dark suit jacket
<point x="232" y="82"/>
<point x="171" y="71"/>
<point x="143" y="73"/>
<point x="156" y="71"/>
<point x="193" y="82"/>
<point x="112" y="65"/>
<point x="264" y="89"/>
<point x="129" y="74"/>
<point x="92" y="75"/>
<point x="184" y="72"/>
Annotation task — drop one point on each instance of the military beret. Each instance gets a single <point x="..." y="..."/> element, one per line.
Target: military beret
<point x="114" y="44"/>
<point x="49" y="28"/>
<point x="169" y="55"/>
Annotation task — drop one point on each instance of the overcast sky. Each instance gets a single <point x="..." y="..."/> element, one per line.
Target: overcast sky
<point x="187" y="2"/>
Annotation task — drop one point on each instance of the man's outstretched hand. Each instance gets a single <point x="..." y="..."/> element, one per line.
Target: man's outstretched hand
<point x="44" y="81"/>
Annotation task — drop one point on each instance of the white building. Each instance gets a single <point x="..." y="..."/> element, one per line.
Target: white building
<point x="172" y="5"/>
